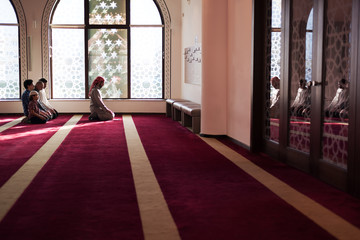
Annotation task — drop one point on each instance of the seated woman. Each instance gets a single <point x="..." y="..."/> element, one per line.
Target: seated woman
<point x="97" y="107"/>
<point x="338" y="108"/>
<point x="35" y="114"/>
<point x="301" y="104"/>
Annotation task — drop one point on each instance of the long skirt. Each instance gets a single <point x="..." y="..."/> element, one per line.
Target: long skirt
<point x="101" y="114"/>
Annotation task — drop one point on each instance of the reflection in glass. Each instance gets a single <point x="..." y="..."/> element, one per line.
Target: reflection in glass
<point x="68" y="63"/>
<point x="107" y="54"/>
<point x="274" y="97"/>
<point x="273" y="70"/>
<point x="300" y="75"/>
<point x="308" y="47"/>
<point x="337" y="75"/>
<point x="107" y="12"/>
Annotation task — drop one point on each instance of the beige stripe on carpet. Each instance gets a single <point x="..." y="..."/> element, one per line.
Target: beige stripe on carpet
<point x="11" y="124"/>
<point x="11" y="191"/>
<point x="155" y="215"/>
<point x="332" y="223"/>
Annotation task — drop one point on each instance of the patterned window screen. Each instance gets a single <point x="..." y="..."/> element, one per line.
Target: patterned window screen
<point x="9" y="52"/>
<point x="106" y="52"/>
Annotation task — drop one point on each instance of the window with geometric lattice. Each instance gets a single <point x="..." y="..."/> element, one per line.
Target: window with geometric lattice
<point x="9" y="52"/>
<point x="120" y="40"/>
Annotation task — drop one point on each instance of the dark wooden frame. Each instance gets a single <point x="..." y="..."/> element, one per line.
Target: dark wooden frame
<point x="354" y="111"/>
<point x="346" y="180"/>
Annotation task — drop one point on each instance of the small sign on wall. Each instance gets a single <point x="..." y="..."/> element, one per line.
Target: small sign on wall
<point x="193" y="64"/>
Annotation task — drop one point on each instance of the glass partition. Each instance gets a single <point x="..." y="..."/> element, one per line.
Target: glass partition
<point x="273" y="70"/>
<point x="338" y="82"/>
<point x="300" y="74"/>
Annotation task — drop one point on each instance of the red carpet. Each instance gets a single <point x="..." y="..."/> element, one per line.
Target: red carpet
<point x="337" y="201"/>
<point x="7" y="118"/>
<point x="20" y="142"/>
<point x="85" y="191"/>
<point x="209" y="197"/>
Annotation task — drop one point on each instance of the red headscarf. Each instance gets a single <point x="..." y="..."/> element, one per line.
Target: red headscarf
<point x="96" y="82"/>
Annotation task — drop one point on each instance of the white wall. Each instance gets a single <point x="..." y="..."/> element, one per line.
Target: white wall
<point x="191" y="31"/>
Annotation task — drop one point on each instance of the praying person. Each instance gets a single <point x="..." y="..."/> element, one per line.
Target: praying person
<point x="29" y="86"/>
<point x="97" y="107"/>
<point x="36" y="115"/>
<point x="44" y="99"/>
<point x="38" y="87"/>
<point x="339" y="106"/>
<point x="274" y="100"/>
<point x="301" y="104"/>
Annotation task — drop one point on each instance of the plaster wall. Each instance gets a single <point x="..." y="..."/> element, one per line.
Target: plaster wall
<point x="239" y="70"/>
<point x="191" y="35"/>
<point x="214" y="67"/>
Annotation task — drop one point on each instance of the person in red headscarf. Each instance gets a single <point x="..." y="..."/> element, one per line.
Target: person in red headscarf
<point x="97" y="107"/>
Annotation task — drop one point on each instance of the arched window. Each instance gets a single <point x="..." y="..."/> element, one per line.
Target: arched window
<point x="308" y="46"/>
<point x="121" y="40"/>
<point x="9" y="52"/>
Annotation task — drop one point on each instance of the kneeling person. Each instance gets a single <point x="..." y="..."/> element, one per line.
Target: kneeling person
<point x="39" y="86"/>
<point x="97" y="107"/>
<point x="35" y="114"/>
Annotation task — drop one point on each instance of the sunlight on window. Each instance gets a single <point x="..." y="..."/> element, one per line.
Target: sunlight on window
<point x="107" y="12"/>
<point x="7" y="12"/>
<point x="9" y="52"/>
<point x="68" y="61"/>
<point x="144" y="12"/>
<point x="276" y="14"/>
<point x="106" y="52"/>
<point x="69" y="12"/>
<point x="108" y="58"/>
<point x="146" y="62"/>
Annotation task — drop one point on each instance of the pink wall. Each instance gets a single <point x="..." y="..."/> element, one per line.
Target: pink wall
<point x="239" y="70"/>
<point x="226" y="71"/>
<point x="214" y="67"/>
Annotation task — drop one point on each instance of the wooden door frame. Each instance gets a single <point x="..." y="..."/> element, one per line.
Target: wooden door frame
<point x="354" y="111"/>
<point x="279" y="151"/>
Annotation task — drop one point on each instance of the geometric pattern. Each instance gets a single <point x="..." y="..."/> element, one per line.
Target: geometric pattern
<point x="19" y="62"/>
<point x="167" y="41"/>
<point x="273" y="63"/>
<point x="299" y="56"/>
<point x="337" y="49"/>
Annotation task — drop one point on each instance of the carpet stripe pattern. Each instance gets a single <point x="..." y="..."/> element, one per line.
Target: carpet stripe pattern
<point x="146" y="177"/>
<point x="15" y="186"/>
<point x="331" y="222"/>
<point x="10" y="124"/>
<point x="155" y="215"/>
